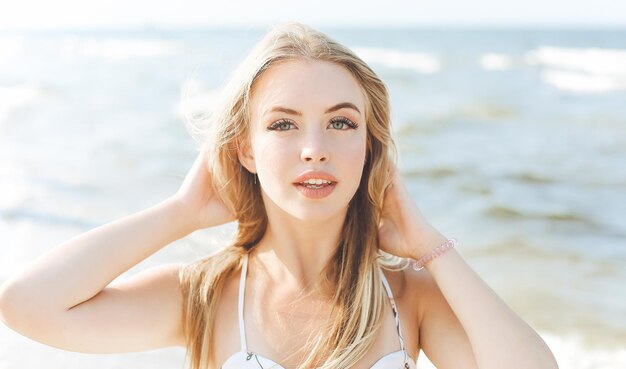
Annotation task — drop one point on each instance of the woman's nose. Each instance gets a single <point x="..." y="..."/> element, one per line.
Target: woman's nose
<point x="314" y="155"/>
<point x="314" y="151"/>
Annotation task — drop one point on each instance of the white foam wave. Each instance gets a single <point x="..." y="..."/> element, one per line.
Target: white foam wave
<point x="495" y="61"/>
<point x="582" y="82"/>
<point x="581" y="70"/>
<point x="570" y="353"/>
<point x="10" y="48"/>
<point x="17" y="96"/>
<point x="420" y="62"/>
<point x="120" y="49"/>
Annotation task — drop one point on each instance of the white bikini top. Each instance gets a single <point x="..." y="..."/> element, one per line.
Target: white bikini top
<point x="248" y="359"/>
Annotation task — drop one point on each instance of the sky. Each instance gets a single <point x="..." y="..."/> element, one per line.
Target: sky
<point x="77" y="14"/>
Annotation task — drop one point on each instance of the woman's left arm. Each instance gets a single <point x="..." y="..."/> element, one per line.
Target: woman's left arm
<point x="463" y="305"/>
<point x="498" y="337"/>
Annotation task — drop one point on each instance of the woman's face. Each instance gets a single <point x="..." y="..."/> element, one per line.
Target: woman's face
<point x="307" y="116"/>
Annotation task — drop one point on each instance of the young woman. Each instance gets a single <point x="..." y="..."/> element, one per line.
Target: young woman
<point x="300" y="154"/>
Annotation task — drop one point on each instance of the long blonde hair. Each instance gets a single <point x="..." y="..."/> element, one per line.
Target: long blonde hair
<point x="354" y="270"/>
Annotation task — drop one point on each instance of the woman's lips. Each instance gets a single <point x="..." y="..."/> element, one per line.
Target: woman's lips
<point x="316" y="193"/>
<point x="314" y="174"/>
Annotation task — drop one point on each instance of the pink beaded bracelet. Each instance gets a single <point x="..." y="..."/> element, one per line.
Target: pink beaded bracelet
<point x="425" y="259"/>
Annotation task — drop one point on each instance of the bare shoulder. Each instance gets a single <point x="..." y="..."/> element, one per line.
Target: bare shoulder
<point x="411" y="290"/>
<point x="424" y="290"/>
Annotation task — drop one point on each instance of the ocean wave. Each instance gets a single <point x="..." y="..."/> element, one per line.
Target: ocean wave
<point x="120" y="49"/>
<point x="508" y="212"/>
<point x="434" y="172"/>
<point x="487" y="111"/>
<point x="10" y="48"/>
<point x="420" y="62"/>
<point x="495" y="61"/>
<point x="582" y="82"/>
<point x="570" y="353"/>
<point x="13" y="97"/>
<point x="581" y="69"/>
<point x="532" y="178"/>
<point x="39" y="217"/>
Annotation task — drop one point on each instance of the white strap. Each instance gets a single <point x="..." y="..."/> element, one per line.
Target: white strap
<point x="396" y="315"/>
<point x="242" y="288"/>
<point x="382" y="276"/>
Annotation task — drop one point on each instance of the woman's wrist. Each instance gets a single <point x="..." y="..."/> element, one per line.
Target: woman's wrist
<point x="430" y="240"/>
<point x="180" y="215"/>
<point x="448" y="245"/>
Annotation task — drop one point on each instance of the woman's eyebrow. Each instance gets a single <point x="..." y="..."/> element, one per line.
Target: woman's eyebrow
<point x="342" y="105"/>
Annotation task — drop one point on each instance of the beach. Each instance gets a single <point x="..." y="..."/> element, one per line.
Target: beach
<point x="512" y="141"/>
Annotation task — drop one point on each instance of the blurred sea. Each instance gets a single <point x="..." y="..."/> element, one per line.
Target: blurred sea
<point x="514" y="141"/>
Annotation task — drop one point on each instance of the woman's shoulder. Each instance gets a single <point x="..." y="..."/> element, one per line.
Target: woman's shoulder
<point x="408" y="280"/>
<point x="411" y="288"/>
<point x="411" y="291"/>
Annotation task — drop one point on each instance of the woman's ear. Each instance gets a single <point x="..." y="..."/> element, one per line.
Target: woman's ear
<point x="246" y="157"/>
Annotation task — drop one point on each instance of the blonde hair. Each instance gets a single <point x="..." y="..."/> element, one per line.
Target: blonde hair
<point x="359" y="298"/>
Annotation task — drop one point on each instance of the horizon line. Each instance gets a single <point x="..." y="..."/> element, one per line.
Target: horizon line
<point x="364" y="26"/>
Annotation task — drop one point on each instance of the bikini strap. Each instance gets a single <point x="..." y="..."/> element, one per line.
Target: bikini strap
<point x="242" y="288"/>
<point x="396" y="316"/>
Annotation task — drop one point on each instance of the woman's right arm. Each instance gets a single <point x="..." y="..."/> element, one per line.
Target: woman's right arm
<point x="65" y="299"/>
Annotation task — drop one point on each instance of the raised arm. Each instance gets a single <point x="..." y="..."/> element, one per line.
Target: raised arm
<point x="65" y="299"/>
<point x="464" y="324"/>
<point x="475" y="317"/>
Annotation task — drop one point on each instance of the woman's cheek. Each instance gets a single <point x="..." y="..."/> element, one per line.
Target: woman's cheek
<point x="353" y="151"/>
<point x="272" y="157"/>
<point x="355" y="154"/>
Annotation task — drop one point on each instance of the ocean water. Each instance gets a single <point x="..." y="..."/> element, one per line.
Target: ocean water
<point x="513" y="141"/>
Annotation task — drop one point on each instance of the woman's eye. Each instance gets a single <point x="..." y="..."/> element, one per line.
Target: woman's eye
<point x="281" y="125"/>
<point x="341" y="123"/>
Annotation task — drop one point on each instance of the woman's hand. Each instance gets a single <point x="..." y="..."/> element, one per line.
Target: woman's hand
<point x="403" y="231"/>
<point x="199" y="199"/>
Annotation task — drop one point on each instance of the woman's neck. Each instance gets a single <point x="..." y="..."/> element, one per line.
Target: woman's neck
<point x="295" y="252"/>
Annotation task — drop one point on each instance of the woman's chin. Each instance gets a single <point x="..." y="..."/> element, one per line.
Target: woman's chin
<point x="320" y="213"/>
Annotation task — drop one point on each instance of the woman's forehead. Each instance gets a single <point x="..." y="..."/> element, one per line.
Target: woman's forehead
<point x="306" y="85"/>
